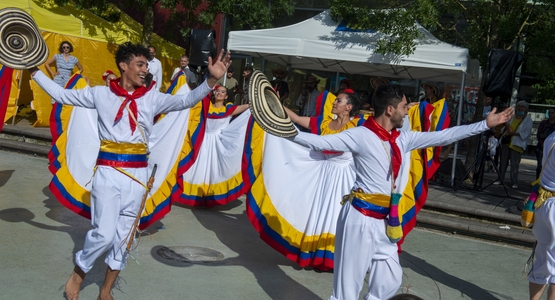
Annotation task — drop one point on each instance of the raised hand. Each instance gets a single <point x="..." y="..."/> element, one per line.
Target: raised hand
<point x="218" y="67"/>
<point x="494" y="118"/>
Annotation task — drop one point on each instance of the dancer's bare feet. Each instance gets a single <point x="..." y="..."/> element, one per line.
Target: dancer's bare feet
<point x="105" y="296"/>
<point x="73" y="284"/>
<point x="109" y="280"/>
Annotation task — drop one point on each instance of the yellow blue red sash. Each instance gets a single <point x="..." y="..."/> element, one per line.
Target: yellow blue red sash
<point x="122" y="155"/>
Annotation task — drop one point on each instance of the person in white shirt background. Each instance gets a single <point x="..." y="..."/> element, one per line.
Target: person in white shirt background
<point x="154" y="67"/>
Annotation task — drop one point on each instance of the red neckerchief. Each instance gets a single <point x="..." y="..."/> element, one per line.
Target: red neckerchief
<point x="390" y="137"/>
<point x="121" y="92"/>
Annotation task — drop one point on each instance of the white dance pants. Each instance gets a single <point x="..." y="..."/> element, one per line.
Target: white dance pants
<point x="361" y="245"/>
<point x="543" y="268"/>
<point x="115" y="202"/>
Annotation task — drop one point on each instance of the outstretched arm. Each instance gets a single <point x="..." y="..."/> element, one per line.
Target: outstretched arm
<point x="302" y="121"/>
<point x="345" y="141"/>
<point x="418" y="140"/>
<point x="241" y="108"/>
<point x="81" y="97"/>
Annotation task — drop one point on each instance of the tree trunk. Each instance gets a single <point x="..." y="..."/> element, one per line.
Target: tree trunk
<point x="148" y="26"/>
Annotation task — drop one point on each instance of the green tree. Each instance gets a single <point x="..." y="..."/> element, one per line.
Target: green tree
<point x="478" y="25"/>
<point x="193" y="13"/>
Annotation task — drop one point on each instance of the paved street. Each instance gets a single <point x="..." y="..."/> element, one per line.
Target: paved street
<point x="39" y="238"/>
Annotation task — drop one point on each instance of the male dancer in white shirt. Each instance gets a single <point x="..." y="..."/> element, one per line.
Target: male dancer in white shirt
<point x="125" y="112"/>
<point x="542" y="273"/>
<point x="365" y="239"/>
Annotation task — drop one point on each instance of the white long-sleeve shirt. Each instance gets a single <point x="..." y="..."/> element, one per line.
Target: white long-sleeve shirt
<point x="372" y="162"/>
<point x="155" y="68"/>
<point x="107" y="105"/>
<point x="547" y="177"/>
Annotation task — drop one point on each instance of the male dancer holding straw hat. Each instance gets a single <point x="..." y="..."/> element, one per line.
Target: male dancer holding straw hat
<point x="125" y="112"/>
<point x="369" y="224"/>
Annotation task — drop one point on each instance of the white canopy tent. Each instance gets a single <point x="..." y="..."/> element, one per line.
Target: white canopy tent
<point x="320" y="43"/>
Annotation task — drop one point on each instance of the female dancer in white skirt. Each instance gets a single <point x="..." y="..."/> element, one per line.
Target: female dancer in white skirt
<point x="294" y="201"/>
<point x="215" y="178"/>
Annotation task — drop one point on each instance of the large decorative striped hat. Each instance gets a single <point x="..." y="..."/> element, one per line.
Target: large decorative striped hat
<point x="266" y="108"/>
<point x="21" y="44"/>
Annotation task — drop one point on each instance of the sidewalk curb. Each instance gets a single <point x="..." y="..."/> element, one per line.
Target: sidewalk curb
<point x="9" y="145"/>
<point x="508" y="217"/>
<point x="11" y="130"/>
<point x="427" y="218"/>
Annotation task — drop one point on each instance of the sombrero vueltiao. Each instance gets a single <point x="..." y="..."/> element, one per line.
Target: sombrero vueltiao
<point x="267" y="109"/>
<point x="21" y="44"/>
<point x="433" y="86"/>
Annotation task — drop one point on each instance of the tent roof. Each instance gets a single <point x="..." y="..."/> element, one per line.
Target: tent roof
<point x="320" y="43"/>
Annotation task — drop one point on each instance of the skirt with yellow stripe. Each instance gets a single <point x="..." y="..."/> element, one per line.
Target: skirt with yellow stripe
<point x="294" y="201"/>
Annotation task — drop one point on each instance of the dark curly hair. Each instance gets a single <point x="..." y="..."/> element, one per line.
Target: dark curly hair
<point x="386" y="95"/>
<point x="353" y="99"/>
<point x="127" y="51"/>
<point x="61" y="50"/>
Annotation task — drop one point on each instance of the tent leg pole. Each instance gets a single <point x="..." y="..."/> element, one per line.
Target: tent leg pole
<point x="17" y="98"/>
<point x="459" y="112"/>
<point x="417" y="91"/>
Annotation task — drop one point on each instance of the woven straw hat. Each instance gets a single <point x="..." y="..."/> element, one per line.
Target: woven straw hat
<point x="266" y="108"/>
<point x="21" y="44"/>
<point x="433" y="86"/>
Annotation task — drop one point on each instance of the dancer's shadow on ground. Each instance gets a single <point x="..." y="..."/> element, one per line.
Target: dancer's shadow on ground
<point x="5" y="176"/>
<point x="236" y="232"/>
<point x="467" y="289"/>
<point x="74" y="225"/>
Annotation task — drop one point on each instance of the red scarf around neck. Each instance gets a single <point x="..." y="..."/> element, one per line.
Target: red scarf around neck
<point x="396" y="158"/>
<point x="129" y="98"/>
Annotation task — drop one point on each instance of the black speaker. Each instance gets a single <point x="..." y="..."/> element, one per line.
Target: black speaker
<point x="202" y="44"/>
<point x="443" y="173"/>
<point x="500" y="72"/>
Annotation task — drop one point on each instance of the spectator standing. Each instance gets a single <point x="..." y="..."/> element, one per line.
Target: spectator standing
<point x="154" y="67"/>
<point x="545" y="128"/>
<point x="374" y="83"/>
<point x="65" y="63"/>
<point x="247" y="73"/>
<point x="517" y="132"/>
<point x="431" y="92"/>
<point x="487" y="107"/>
<point x="231" y="84"/>
<point x="280" y="85"/>
<point x="189" y="74"/>
<point x="307" y="99"/>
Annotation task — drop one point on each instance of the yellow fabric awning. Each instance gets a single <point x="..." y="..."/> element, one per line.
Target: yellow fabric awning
<point x="95" y="41"/>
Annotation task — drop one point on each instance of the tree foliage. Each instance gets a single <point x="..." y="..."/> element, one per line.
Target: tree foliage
<point x="251" y="14"/>
<point x="478" y="25"/>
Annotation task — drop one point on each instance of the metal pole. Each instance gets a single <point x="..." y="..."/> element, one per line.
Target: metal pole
<point x="18" y="92"/>
<point x="516" y="87"/>
<point x="459" y="113"/>
<point x="417" y="91"/>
